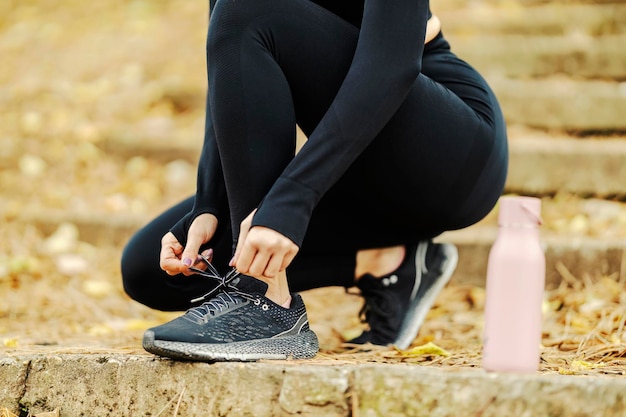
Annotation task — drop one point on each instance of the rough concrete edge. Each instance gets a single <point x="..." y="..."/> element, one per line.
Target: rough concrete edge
<point x="97" y="384"/>
<point x="421" y="391"/>
<point x="131" y="385"/>
<point x="14" y="374"/>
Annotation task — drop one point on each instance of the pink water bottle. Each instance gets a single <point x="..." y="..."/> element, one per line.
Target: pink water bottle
<point x="515" y="285"/>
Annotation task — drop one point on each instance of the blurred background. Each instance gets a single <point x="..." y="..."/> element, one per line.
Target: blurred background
<point x="101" y="121"/>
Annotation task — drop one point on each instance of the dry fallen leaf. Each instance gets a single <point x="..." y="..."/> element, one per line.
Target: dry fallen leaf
<point x="99" y="330"/>
<point x="11" y="342"/>
<point x="64" y="239"/>
<point x="97" y="288"/>
<point x="71" y="264"/>
<point x="32" y="166"/>
<point x="351" y="333"/>
<point x="426" y="349"/>
<point x="579" y="365"/>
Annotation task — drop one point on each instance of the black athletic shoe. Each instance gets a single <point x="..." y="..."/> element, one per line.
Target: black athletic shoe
<point x="237" y="324"/>
<point x="396" y="305"/>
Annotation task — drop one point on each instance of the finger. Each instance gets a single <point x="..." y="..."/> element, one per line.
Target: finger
<point x="169" y="262"/>
<point x="170" y="241"/>
<point x="203" y="259"/>
<point x="287" y="259"/>
<point x="244" y="258"/>
<point x="273" y="267"/>
<point x="190" y="255"/>
<point x="259" y="264"/>
<point x="208" y="254"/>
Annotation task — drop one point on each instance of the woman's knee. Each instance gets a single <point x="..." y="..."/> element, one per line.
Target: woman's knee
<point x="139" y="284"/>
<point x="132" y="272"/>
<point x="230" y="20"/>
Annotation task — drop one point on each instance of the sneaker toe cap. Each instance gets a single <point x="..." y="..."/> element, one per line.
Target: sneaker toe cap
<point x="178" y="330"/>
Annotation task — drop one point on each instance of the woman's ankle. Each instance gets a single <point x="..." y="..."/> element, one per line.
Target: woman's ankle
<point x="278" y="290"/>
<point x="378" y="262"/>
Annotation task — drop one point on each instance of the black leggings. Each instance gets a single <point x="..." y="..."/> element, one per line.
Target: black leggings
<point x="439" y="164"/>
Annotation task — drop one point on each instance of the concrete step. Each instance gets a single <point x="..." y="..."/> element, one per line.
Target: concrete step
<point x="562" y="103"/>
<point x="541" y="163"/>
<point x="582" y="41"/>
<point x="554" y="101"/>
<point x="530" y="56"/>
<point x="567" y="255"/>
<point x="553" y="18"/>
<point x="517" y="4"/>
<point x="137" y="384"/>
<point x="568" y="258"/>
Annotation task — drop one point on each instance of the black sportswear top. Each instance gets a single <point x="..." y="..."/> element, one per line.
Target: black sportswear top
<point x="386" y="62"/>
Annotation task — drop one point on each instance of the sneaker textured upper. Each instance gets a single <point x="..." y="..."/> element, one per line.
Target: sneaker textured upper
<point x="242" y="320"/>
<point x="236" y="323"/>
<point x="386" y="299"/>
<point x="235" y="316"/>
<point x="396" y="304"/>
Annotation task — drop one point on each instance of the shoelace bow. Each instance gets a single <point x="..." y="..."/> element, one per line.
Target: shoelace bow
<point x="227" y="293"/>
<point x="375" y="301"/>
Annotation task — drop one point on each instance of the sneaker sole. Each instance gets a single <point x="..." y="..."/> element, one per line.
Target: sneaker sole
<point x="301" y="346"/>
<point x="420" y="307"/>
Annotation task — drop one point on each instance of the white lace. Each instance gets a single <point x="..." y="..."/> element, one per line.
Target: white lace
<point x="227" y="293"/>
<point x="224" y="282"/>
<point x="220" y="302"/>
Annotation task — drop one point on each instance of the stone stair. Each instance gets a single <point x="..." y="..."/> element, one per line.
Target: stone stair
<point x="138" y="385"/>
<point x="558" y="69"/>
<point x="541" y="164"/>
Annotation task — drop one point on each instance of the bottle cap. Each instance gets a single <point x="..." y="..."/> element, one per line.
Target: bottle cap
<point x="519" y="210"/>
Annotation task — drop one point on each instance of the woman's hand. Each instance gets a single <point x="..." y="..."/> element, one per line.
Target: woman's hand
<point x="174" y="259"/>
<point x="261" y="251"/>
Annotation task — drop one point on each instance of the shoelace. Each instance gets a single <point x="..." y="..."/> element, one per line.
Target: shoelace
<point x="218" y="303"/>
<point x="376" y="299"/>
<point x="227" y="293"/>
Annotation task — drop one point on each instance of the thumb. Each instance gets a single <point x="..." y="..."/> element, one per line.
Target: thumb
<point x="190" y="254"/>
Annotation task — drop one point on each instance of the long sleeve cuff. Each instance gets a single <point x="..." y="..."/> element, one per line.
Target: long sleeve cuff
<point x="287" y="208"/>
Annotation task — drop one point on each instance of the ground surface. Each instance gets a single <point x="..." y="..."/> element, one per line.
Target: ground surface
<point x="85" y="85"/>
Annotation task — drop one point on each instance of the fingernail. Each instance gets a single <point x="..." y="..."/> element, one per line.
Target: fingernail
<point x="187" y="262"/>
<point x="232" y="261"/>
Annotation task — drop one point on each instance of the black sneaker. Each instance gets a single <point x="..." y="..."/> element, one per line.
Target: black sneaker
<point x="396" y="305"/>
<point x="237" y="324"/>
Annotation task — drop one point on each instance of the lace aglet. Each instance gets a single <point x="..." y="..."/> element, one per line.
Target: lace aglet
<point x="195" y="300"/>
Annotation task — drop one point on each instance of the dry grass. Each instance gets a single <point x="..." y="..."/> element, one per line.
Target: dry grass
<point x="583" y="331"/>
<point x="47" y="309"/>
